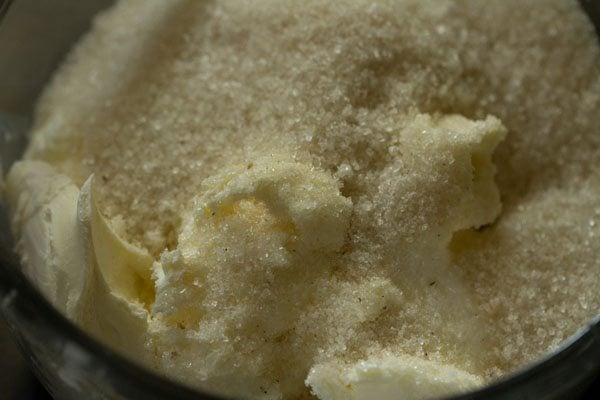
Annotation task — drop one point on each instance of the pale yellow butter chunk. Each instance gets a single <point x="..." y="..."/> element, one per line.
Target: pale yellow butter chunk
<point x="389" y="377"/>
<point x="51" y="236"/>
<point x="76" y="259"/>
<point x="441" y="183"/>
<point x="247" y="256"/>
<point x="467" y="146"/>
<point x="120" y="287"/>
<point x="306" y="199"/>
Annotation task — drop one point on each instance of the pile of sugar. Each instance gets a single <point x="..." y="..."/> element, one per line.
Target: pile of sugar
<point x="162" y="95"/>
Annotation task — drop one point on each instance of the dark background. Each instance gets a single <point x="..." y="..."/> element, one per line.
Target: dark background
<point x="16" y="382"/>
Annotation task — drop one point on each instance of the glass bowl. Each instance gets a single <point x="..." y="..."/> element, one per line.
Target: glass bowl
<point x="71" y="365"/>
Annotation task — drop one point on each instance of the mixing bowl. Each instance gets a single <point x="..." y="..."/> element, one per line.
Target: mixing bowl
<point x="34" y="36"/>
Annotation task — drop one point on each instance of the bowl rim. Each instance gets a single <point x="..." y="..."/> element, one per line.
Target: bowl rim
<point x="20" y="300"/>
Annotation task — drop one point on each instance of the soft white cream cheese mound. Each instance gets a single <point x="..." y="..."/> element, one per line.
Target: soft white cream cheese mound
<point x="349" y="199"/>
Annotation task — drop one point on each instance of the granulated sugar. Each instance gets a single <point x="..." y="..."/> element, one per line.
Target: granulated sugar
<point x="210" y="127"/>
